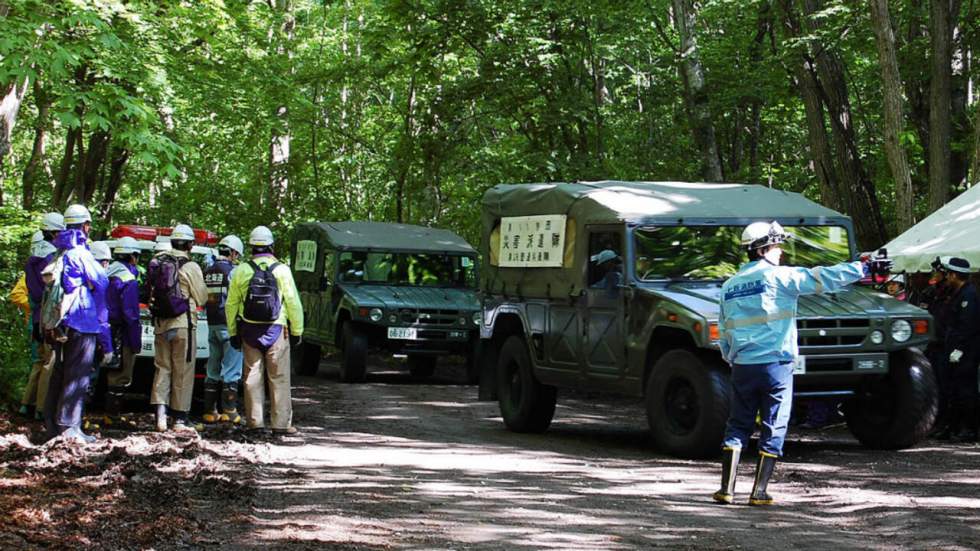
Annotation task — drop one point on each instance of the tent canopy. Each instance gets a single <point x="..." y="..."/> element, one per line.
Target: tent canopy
<point x="953" y="230"/>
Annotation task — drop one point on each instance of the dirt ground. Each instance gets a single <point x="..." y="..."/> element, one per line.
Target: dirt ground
<point x="397" y="464"/>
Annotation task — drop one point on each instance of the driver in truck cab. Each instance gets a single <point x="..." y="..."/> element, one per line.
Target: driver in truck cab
<point x="758" y="338"/>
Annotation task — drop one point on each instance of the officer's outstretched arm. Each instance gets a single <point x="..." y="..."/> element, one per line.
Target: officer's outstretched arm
<point x="822" y="279"/>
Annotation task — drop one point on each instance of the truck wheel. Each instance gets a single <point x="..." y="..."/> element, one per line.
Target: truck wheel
<point x="353" y="360"/>
<point x="896" y="410"/>
<point x="525" y="404"/>
<point x="421" y="367"/>
<point x="306" y="358"/>
<point x="687" y="400"/>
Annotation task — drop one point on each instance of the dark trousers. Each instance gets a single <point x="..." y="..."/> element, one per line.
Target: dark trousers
<point x="965" y="395"/>
<point x="766" y="389"/>
<point x="69" y="382"/>
<point x="944" y="379"/>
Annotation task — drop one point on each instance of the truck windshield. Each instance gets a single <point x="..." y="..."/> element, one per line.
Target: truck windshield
<point x="426" y="270"/>
<point x="714" y="252"/>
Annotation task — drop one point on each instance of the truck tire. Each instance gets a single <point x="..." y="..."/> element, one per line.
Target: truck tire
<point x="687" y="401"/>
<point x="353" y="358"/>
<point x="306" y="358"/>
<point x="525" y="404"/>
<point x="421" y="366"/>
<point x="897" y="410"/>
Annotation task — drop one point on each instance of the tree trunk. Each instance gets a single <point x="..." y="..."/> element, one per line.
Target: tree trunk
<point x="891" y="82"/>
<point x="37" y="164"/>
<point x="695" y="95"/>
<point x="13" y="96"/>
<point x="281" y="139"/>
<point x="61" y="189"/>
<point x="821" y="159"/>
<point x="118" y="161"/>
<point x="98" y="143"/>
<point x="942" y="14"/>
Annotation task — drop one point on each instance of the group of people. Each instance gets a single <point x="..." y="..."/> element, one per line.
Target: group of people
<point x="83" y="300"/>
<point x="954" y="351"/>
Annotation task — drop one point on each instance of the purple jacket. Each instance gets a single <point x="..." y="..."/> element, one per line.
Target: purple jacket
<point x="88" y="314"/>
<point x="123" y="303"/>
<point x="35" y="285"/>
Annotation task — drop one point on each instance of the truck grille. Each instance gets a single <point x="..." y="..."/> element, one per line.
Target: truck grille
<point x="832" y="332"/>
<point x="428" y="316"/>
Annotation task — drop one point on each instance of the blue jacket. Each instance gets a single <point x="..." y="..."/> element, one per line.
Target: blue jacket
<point x="123" y="302"/>
<point x="757" y="315"/>
<point x="88" y="314"/>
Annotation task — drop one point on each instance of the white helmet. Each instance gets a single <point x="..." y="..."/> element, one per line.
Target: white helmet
<point x="126" y="245"/>
<point x="100" y="250"/>
<point x="77" y="214"/>
<point x="233" y="243"/>
<point x="261" y="236"/>
<point x="40" y="247"/>
<point x="162" y="245"/>
<point x="53" y="221"/>
<point x="763" y="234"/>
<point x="182" y="232"/>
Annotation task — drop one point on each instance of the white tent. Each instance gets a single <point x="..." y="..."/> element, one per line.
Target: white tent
<point x="953" y="230"/>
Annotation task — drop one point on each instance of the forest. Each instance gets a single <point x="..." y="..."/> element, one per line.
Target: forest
<point x="230" y="113"/>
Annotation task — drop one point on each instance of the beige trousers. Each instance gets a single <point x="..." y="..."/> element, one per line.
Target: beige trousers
<point x="37" y="382"/>
<point x="173" y="383"/>
<point x="123" y="376"/>
<point x="273" y="364"/>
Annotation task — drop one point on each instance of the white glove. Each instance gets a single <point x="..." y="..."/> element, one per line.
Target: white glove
<point x="955" y="355"/>
<point x="107" y="358"/>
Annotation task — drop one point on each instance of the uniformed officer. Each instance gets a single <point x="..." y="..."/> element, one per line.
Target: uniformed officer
<point x="961" y="348"/>
<point x="759" y="340"/>
<point x="935" y="299"/>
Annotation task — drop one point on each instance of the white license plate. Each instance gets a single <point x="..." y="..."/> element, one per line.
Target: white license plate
<point x="405" y="333"/>
<point x="799" y="365"/>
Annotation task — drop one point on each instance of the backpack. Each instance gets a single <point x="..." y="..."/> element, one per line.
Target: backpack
<point x="55" y="303"/>
<point x="165" y="298"/>
<point x="216" y="278"/>
<point x="263" y="302"/>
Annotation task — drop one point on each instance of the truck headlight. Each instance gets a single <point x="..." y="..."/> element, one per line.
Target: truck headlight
<point x="901" y="331"/>
<point x="477" y="317"/>
<point x="376" y="314"/>
<point x="877" y="337"/>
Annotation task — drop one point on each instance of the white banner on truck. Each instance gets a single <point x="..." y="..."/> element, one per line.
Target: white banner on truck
<point x="532" y="241"/>
<point x="306" y="256"/>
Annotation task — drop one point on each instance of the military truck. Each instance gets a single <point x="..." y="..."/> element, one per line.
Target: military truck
<point x="397" y="288"/>
<point x="613" y="286"/>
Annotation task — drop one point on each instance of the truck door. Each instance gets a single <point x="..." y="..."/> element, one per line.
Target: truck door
<point x="604" y="307"/>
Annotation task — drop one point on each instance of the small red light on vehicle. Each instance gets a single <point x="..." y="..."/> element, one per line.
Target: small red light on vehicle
<point x="920" y="327"/>
<point x="672" y="317"/>
<point x="713" y="332"/>
<point x="363" y="312"/>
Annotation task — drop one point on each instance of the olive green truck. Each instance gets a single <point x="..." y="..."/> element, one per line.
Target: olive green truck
<point x="613" y="286"/>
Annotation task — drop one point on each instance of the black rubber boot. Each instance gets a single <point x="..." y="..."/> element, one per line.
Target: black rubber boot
<point x="763" y="471"/>
<point x="729" y="470"/>
<point x="113" y="405"/>
<point x="212" y="392"/>
<point x="229" y="403"/>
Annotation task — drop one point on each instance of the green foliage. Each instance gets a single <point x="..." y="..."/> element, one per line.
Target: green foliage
<point x="16" y="228"/>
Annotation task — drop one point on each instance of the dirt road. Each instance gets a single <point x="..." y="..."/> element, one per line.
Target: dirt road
<point x="395" y="464"/>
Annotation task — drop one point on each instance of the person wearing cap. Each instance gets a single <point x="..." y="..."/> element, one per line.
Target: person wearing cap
<point x="80" y="330"/>
<point x="936" y="300"/>
<point x="608" y="270"/>
<point x="42" y="253"/>
<point x="962" y="345"/>
<point x="896" y="287"/>
<point x="758" y="339"/>
<point x="123" y="300"/>
<point x="265" y="344"/>
<point x="175" y="343"/>
<point x="224" y="361"/>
